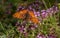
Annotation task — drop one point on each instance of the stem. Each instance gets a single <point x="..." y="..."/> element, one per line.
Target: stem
<point x="49" y="3"/>
<point x="44" y="4"/>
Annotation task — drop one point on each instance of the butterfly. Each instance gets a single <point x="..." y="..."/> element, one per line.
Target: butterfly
<point x="26" y="15"/>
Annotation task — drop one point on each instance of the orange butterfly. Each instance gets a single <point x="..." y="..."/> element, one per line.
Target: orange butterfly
<point x="26" y="14"/>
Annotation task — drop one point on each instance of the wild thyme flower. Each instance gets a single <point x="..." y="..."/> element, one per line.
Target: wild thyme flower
<point x="55" y="9"/>
<point x="43" y="13"/>
<point x="22" y="29"/>
<point x="32" y="27"/>
<point x="51" y="36"/>
<point x="40" y="36"/>
<point x="37" y="13"/>
<point x="52" y="9"/>
<point x="36" y="4"/>
<point x="30" y="7"/>
<point x="48" y="11"/>
<point x="25" y="34"/>
<point x="20" y="8"/>
<point x="21" y="26"/>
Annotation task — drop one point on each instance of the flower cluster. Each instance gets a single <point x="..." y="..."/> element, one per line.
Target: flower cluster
<point x="43" y="13"/>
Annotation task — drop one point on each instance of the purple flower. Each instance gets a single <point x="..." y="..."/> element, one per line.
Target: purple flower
<point x="51" y="36"/>
<point x="22" y="29"/>
<point x="32" y="27"/>
<point x="20" y="8"/>
<point x="44" y="13"/>
<point x="30" y="7"/>
<point x="35" y="25"/>
<point x="37" y="13"/>
<point x="55" y="9"/>
<point x="21" y="26"/>
<point x="36" y="3"/>
<point x="43" y="10"/>
<point x="48" y="11"/>
<point x="52" y="10"/>
<point x="25" y="34"/>
<point x="40" y="36"/>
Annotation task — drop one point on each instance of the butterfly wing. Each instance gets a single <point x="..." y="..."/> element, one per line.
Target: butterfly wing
<point x="33" y="18"/>
<point x="20" y="14"/>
